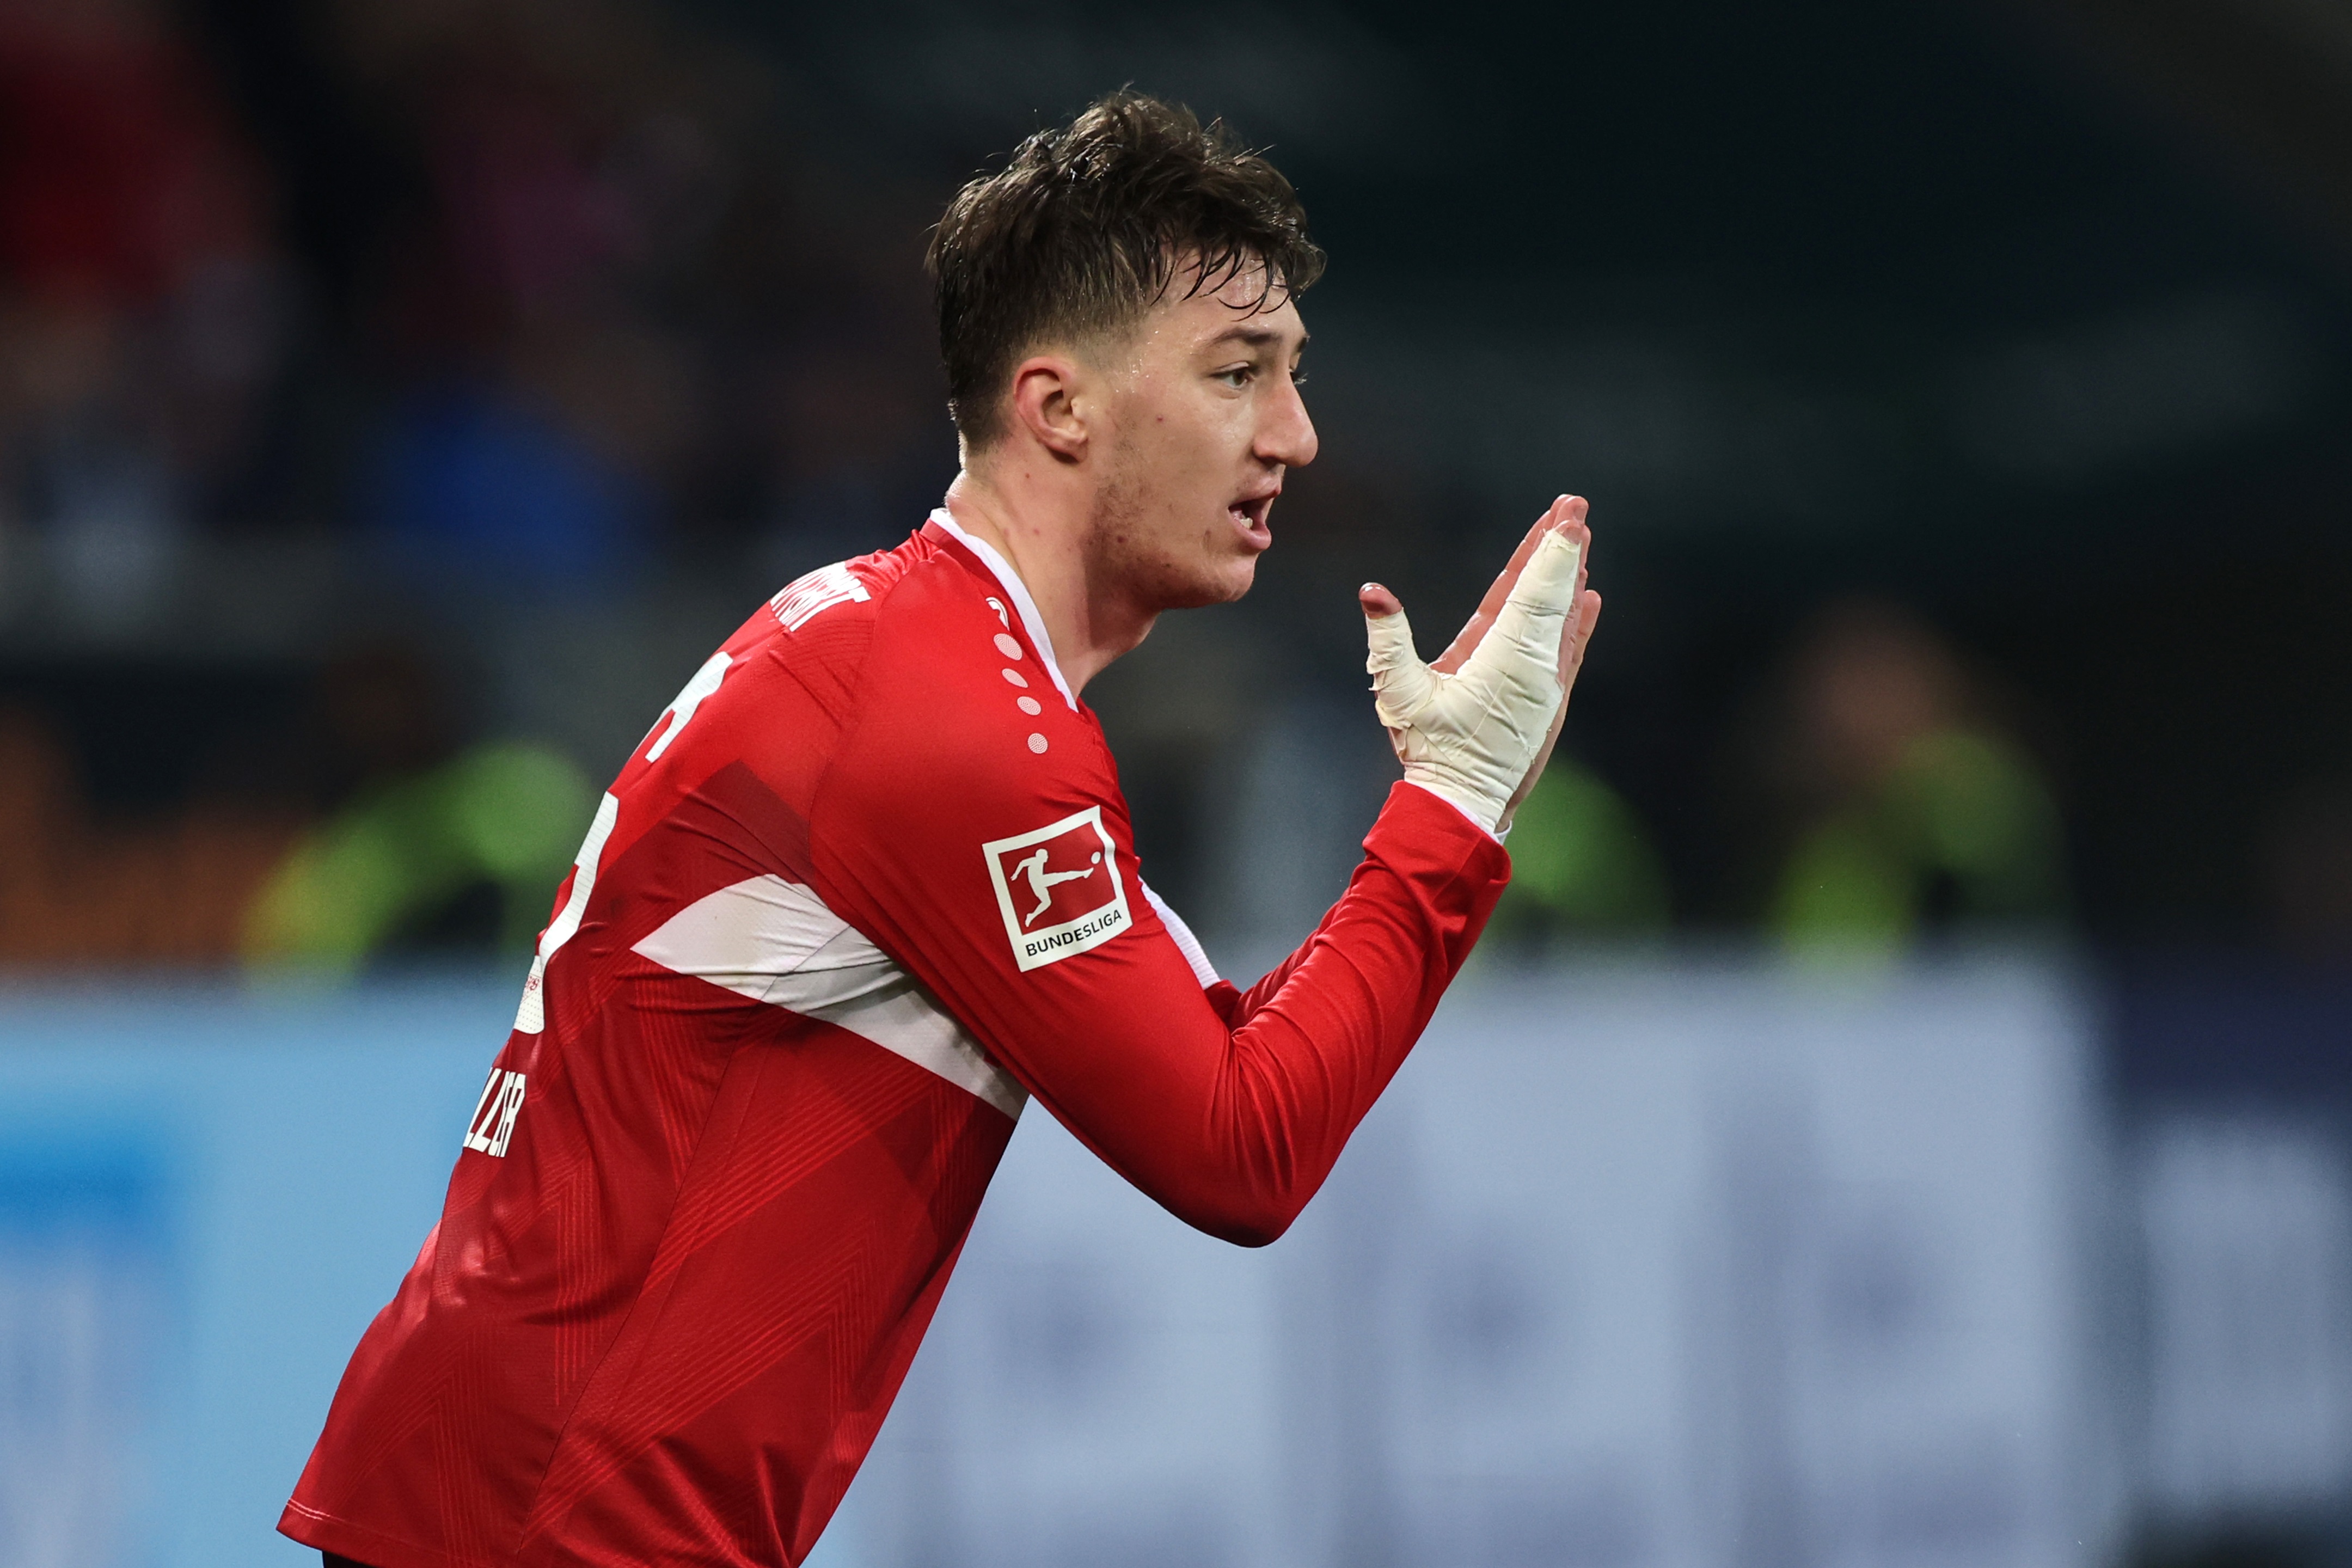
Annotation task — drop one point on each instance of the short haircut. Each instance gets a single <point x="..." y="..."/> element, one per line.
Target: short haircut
<point x="1084" y="230"/>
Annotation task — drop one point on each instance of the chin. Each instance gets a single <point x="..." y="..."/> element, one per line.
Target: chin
<point x="1220" y="585"/>
<point x="1175" y="579"/>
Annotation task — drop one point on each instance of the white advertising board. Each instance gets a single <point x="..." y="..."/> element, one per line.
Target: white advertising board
<point x="1643" y="1266"/>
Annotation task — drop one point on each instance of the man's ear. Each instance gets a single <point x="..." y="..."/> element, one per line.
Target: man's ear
<point x="1050" y="402"/>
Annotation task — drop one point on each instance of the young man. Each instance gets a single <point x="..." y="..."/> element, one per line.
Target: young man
<point x="869" y="885"/>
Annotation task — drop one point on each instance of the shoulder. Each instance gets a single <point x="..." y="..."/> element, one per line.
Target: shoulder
<point x="963" y="735"/>
<point x="919" y="598"/>
<point x="776" y="696"/>
<point x="800" y="657"/>
<point x="957" y="692"/>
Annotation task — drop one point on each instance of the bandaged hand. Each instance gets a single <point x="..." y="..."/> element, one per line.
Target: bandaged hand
<point x="1477" y="732"/>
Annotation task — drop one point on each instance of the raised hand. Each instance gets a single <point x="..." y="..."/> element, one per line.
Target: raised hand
<point x="1478" y="725"/>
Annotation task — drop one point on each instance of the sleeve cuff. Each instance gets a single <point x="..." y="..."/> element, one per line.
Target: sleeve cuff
<point x="1467" y="814"/>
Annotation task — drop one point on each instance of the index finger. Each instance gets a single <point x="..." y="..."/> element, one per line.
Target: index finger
<point x="1567" y="513"/>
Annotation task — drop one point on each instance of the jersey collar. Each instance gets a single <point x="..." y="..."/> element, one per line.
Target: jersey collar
<point x="1015" y="590"/>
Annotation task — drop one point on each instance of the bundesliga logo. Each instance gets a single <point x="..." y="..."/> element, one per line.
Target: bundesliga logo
<point x="1057" y="888"/>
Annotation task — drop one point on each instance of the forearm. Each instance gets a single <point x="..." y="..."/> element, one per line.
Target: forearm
<point x="1233" y="1123"/>
<point x="1238" y="1005"/>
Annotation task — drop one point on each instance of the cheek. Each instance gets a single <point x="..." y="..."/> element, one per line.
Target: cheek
<point x="1178" y="454"/>
<point x="1215" y="446"/>
<point x="1175" y="462"/>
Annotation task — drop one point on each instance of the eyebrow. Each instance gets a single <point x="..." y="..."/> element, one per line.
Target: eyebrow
<point x="1255" y="337"/>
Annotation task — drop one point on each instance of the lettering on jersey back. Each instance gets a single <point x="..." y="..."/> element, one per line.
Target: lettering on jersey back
<point x="1058" y="888"/>
<point x="494" y="1112"/>
<point x="819" y="590"/>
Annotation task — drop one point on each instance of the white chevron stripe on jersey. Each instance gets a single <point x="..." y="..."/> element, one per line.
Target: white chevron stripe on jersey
<point x="776" y="943"/>
<point x="904" y="1017"/>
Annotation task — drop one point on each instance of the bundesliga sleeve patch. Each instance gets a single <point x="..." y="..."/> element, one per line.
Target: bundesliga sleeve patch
<point x="1058" y="888"/>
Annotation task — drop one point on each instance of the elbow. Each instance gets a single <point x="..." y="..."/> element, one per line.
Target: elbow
<point x="1248" y="1223"/>
<point x="1252" y="1232"/>
<point x="1247" y="1187"/>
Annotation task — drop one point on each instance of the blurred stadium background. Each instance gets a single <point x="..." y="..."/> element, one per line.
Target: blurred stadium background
<point x="1902" y="1115"/>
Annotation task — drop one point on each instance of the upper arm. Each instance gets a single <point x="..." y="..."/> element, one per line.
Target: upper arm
<point x="1006" y="881"/>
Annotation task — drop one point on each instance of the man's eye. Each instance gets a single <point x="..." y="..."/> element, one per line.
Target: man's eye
<point x="1237" y="378"/>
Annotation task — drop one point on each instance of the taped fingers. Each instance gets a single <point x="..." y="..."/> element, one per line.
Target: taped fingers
<point x="1542" y="599"/>
<point x="1569" y="510"/>
<point x="1549" y="577"/>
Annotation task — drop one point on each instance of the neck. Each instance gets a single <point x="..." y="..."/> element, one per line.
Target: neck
<point x="1041" y="532"/>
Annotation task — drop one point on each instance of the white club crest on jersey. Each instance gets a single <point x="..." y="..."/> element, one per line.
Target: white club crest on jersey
<point x="494" y="1113"/>
<point x="819" y="590"/>
<point x="1058" y="888"/>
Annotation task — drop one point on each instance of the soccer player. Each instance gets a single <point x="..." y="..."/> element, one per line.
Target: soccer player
<point x="869" y="885"/>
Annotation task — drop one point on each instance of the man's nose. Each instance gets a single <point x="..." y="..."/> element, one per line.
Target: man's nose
<point x="1285" y="435"/>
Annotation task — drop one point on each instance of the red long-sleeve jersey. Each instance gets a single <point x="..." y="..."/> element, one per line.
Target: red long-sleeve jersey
<point x="868" y="886"/>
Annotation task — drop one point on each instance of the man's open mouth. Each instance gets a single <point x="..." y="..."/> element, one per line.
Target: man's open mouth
<point x="1250" y="512"/>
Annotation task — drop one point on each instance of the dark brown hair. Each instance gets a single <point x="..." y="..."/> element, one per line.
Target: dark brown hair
<point x="1085" y="230"/>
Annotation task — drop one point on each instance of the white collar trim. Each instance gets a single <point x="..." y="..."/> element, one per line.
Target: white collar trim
<point x="1018" y="590"/>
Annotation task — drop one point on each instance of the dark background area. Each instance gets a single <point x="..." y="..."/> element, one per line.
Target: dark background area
<point x="1913" y="302"/>
<point x="1949" y="306"/>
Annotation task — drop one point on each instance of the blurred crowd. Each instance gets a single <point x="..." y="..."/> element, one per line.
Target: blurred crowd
<point x="405" y="371"/>
<point x="491" y="309"/>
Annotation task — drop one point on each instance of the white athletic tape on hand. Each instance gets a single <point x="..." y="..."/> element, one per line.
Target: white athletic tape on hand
<point x="1472" y="736"/>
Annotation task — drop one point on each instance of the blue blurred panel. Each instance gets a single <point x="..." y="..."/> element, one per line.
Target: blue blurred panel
<point x="85" y="1305"/>
<point x="1671" y="1264"/>
<point x="264" y="1169"/>
<point x="2246" y="1229"/>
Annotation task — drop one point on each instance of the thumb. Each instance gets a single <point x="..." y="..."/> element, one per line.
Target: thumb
<point x="1403" y="685"/>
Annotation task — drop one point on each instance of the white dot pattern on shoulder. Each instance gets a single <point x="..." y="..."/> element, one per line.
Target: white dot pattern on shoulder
<point x="1014" y="676"/>
<point x="1029" y="705"/>
<point x="1007" y="645"/>
<point x="1037" y="742"/>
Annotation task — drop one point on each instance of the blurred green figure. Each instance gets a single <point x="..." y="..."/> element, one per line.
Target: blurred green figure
<point x="428" y="839"/>
<point x="506" y="815"/>
<point x="1580" y="865"/>
<point x="1913" y="812"/>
